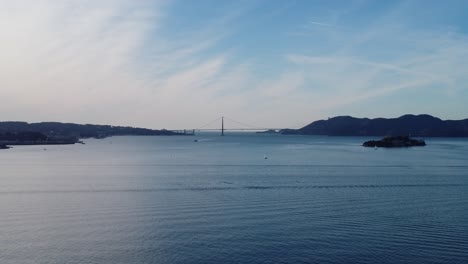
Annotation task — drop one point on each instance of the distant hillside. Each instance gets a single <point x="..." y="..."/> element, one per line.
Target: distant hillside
<point x="414" y="125"/>
<point x="56" y="129"/>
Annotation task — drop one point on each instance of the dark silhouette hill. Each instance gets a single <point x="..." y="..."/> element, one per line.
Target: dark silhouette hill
<point x="414" y="125"/>
<point x="56" y="129"/>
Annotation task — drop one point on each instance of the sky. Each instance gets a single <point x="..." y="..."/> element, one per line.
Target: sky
<point x="267" y="63"/>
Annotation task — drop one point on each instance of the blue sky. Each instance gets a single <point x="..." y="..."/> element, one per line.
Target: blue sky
<point x="178" y="64"/>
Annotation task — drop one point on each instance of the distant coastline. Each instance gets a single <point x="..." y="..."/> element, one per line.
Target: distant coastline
<point x="3" y="146"/>
<point x="406" y="125"/>
<point x="55" y="133"/>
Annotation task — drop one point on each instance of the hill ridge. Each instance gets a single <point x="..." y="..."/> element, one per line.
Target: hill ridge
<point x="78" y="130"/>
<point x="422" y="125"/>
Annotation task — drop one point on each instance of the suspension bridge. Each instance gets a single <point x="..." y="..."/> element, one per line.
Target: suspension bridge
<point x="222" y="122"/>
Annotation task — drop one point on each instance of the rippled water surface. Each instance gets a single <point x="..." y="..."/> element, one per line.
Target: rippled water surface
<point x="218" y="200"/>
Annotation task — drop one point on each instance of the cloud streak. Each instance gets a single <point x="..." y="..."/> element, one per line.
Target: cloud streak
<point x="320" y="24"/>
<point x="87" y="62"/>
<point x="125" y="63"/>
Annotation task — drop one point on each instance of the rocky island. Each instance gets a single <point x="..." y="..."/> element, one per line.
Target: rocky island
<point x="395" y="142"/>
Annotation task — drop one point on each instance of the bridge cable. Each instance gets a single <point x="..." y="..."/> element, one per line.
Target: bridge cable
<point x="243" y="124"/>
<point x="209" y="123"/>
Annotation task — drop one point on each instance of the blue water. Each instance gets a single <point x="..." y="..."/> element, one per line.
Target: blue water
<point x="172" y="200"/>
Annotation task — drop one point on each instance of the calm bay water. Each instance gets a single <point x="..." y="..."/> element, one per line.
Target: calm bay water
<point x="172" y="200"/>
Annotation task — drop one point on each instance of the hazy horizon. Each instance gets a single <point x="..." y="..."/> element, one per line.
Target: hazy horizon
<point x="179" y="64"/>
<point x="215" y="124"/>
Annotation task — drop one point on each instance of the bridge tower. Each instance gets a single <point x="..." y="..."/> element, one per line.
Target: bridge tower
<point x="222" y="126"/>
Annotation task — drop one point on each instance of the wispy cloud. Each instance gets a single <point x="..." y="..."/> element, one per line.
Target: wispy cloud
<point x="343" y="80"/>
<point x="124" y="62"/>
<point x="103" y="62"/>
<point x="321" y="24"/>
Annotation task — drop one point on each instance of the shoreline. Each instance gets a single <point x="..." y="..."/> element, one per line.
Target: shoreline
<point x="3" y="146"/>
<point x="8" y="144"/>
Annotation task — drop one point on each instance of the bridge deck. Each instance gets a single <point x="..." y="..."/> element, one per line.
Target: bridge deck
<point x="222" y="128"/>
